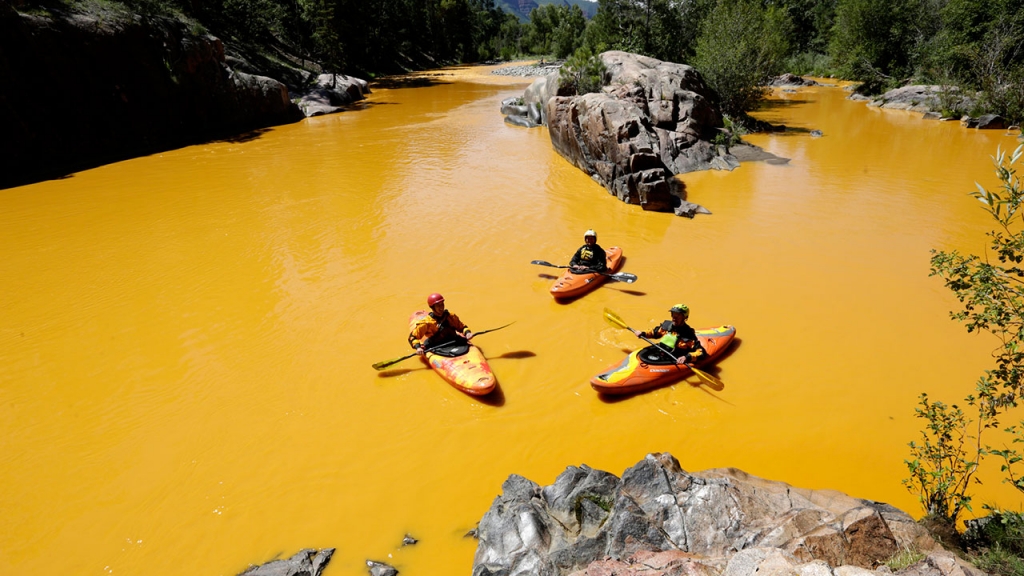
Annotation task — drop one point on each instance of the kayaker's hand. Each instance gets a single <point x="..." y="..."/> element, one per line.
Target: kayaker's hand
<point x="468" y="335"/>
<point x="419" y="350"/>
<point x="683" y="360"/>
<point x="635" y="332"/>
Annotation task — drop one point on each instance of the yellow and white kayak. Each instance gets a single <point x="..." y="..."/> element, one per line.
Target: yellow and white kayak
<point x="460" y="363"/>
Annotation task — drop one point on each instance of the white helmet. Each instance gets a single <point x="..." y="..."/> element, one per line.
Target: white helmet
<point x="590" y="233"/>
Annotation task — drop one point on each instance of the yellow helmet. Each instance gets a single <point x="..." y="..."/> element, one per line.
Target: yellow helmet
<point x="682" y="309"/>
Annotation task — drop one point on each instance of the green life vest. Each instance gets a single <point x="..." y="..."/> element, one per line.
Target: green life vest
<point x="669" y="340"/>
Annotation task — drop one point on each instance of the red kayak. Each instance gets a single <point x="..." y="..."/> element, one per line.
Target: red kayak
<point x="652" y="367"/>
<point x="571" y="285"/>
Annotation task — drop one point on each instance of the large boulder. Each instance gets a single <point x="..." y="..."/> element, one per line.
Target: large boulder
<point x="719" y="522"/>
<point x="331" y="93"/>
<point x="653" y="120"/>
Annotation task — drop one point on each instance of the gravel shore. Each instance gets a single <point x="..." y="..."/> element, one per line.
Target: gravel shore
<point x="528" y="70"/>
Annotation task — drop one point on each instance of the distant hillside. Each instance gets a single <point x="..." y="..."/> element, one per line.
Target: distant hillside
<point x="522" y="8"/>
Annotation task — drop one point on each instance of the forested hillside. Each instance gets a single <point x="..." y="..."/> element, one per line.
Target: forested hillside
<point x="976" y="46"/>
<point x="522" y="8"/>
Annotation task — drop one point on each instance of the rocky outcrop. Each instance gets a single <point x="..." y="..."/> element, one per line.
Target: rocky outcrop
<point x="788" y="79"/>
<point x="652" y="121"/>
<point x="715" y="523"/>
<point x="306" y="562"/>
<point x="77" y="91"/>
<point x="331" y="93"/>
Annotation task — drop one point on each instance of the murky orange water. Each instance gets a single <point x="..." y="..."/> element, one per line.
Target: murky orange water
<point x="186" y="338"/>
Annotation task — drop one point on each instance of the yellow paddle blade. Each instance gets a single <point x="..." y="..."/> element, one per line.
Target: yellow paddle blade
<point x="384" y="364"/>
<point x="614" y="319"/>
<point x="712" y="382"/>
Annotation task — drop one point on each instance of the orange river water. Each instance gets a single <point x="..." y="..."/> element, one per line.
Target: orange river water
<point x="186" y="338"/>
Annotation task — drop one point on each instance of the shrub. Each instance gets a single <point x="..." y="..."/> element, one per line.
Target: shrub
<point x="740" y="47"/>
<point x="583" y="72"/>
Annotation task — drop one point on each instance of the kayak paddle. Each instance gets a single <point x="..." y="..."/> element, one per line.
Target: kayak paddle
<point x="382" y="365"/>
<point x="618" y="276"/>
<point x="616" y="320"/>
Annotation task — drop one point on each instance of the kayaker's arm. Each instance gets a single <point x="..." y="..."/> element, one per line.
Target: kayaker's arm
<point x="574" y="263"/>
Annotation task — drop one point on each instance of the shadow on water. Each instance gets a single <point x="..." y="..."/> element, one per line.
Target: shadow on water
<point x="616" y="398"/>
<point x="515" y="354"/>
<point x="249" y="136"/>
<point x="779" y="104"/>
<point x="624" y="291"/>
<point x="418" y="81"/>
<point x="399" y="372"/>
<point x="496" y="398"/>
<point x="547" y="276"/>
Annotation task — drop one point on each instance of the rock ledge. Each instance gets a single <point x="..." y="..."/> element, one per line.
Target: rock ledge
<point x="659" y="519"/>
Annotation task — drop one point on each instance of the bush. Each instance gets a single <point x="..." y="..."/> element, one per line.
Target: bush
<point x="583" y="72"/>
<point x="998" y="543"/>
<point x="877" y="41"/>
<point x="740" y="48"/>
<point x="809" y="64"/>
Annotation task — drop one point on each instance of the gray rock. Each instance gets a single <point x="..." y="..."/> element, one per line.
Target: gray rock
<point x="330" y="93"/>
<point x="381" y="569"/>
<point x="991" y="122"/>
<point x="788" y="79"/>
<point x="653" y="120"/>
<point x="308" y="562"/>
<point x="523" y="121"/>
<point x="689" y="209"/>
<point x="718" y="520"/>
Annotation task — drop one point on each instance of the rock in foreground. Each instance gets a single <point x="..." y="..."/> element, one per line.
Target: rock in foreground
<point x="659" y="519"/>
<point x="306" y="562"/>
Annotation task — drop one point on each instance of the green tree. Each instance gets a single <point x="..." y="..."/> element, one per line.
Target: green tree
<point x="991" y="292"/>
<point x="880" y="41"/>
<point x="583" y="72"/>
<point x="943" y="463"/>
<point x="740" y="47"/>
<point x="616" y="26"/>
<point x="567" y="36"/>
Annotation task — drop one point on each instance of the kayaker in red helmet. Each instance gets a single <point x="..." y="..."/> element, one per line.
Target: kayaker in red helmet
<point x="438" y="327"/>
<point x="590" y="257"/>
<point x="676" y="336"/>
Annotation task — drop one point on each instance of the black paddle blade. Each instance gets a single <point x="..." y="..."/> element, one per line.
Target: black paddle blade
<point x="624" y="277"/>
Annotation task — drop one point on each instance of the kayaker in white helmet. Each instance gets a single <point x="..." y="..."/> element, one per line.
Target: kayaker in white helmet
<point x="676" y="336"/>
<point x="590" y="257"/>
<point x="438" y="327"/>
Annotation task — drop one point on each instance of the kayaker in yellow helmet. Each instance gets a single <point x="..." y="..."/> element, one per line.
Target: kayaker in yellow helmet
<point x="590" y="257"/>
<point x="438" y="327"/>
<point x="676" y="336"/>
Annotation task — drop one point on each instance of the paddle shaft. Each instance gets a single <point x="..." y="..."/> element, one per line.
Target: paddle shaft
<point x="621" y="276"/>
<point x="386" y="363"/>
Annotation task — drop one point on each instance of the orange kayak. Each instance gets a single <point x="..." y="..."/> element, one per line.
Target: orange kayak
<point x="571" y="285"/>
<point x="651" y="367"/>
<point x="461" y="364"/>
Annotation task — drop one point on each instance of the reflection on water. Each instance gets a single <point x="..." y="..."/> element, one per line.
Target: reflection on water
<point x="187" y="338"/>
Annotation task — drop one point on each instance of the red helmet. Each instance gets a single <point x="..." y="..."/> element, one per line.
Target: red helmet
<point x="434" y="299"/>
